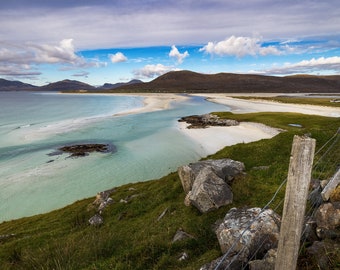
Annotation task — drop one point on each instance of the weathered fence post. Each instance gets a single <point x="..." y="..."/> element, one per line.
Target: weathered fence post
<point x="299" y="175"/>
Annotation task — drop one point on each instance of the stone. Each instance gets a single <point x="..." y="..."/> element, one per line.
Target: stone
<point x="183" y="256"/>
<point x="328" y="215"/>
<point x="335" y="195"/>
<point x="103" y="199"/>
<point x="267" y="263"/>
<point x="249" y="231"/>
<point x="226" y="169"/>
<point x="323" y="252"/>
<point x="81" y="150"/>
<point x="206" y="120"/>
<point x="209" y="191"/>
<point x="230" y="263"/>
<point x="181" y="235"/>
<point x="96" y="220"/>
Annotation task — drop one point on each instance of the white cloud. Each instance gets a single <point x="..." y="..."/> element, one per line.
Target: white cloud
<point x="239" y="46"/>
<point x="24" y="59"/>
<point x="117" y="57"/>
<point x="308" y="66"/>
<point x="151" y="71"/>
<point x="177" y="55"/>
<point x="63" y="53"/>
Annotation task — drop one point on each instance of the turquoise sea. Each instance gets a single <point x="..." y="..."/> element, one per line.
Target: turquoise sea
<point x="33" y="125"/>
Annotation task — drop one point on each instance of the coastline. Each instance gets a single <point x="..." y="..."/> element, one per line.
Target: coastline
<point x="213" y="139"/>
<point x="249" y="106"/>
<point x="153" y="102"/>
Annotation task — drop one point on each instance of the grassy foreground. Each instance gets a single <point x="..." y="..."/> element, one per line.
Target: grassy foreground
<point x="132" y="237"/>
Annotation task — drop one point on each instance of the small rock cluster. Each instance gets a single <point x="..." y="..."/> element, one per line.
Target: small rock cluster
<point x="207" y="183"/>
<point x="243" y="234"/>
<point x="206" y="120"/>
<point x="322" y="231"/>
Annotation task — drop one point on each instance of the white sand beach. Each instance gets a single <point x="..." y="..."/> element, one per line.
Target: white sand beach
<point x="247" y="106"/>
<point x="213" y="139"/>
<point x="153" y="102"/>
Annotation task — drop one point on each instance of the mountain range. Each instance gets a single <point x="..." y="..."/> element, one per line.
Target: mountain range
<point x="192" y="82"/>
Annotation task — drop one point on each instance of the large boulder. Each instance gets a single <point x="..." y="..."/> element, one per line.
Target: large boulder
<point x="226" y="169"/>
<point x="209" y="191"/>
<point x="207" y="183"/>
<point x="248" y="231"/>
<point x="328" y="220"/>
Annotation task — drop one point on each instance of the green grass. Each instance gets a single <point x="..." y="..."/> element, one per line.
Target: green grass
<point x="131" y="237"/>
<point x="300" y="100"/>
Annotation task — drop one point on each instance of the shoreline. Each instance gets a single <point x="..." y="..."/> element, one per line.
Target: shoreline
<point x="226" y="136"/>
<point x="251" y="106"/>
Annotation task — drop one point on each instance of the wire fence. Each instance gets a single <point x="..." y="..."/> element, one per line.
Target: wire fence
<point x="326" y="163"/>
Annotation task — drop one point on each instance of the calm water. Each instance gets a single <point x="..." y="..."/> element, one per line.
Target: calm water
<point x="33" y="125"/>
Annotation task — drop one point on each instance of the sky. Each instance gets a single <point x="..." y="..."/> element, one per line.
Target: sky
<point x="110" y="41"/>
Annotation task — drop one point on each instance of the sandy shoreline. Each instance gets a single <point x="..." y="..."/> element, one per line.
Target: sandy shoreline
<point x="249" y="106"/>
<point x="153" y="102"/>
<point x="212" y="139"/>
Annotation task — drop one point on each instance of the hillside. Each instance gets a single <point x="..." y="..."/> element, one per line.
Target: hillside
<point x="192" y="82"/>
<point x="116" y="85"/>
<point x="6" y="85"/>
<point x="187" y="81"/>
<point x="66" y="85"/>
<point x="133" y="236"/>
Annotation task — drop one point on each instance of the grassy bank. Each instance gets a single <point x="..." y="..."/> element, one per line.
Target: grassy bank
<point x="330" y="102"/>
<point x="132" y="237"/>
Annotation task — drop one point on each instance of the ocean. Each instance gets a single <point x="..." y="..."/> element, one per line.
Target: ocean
<point x="34" y="125"/>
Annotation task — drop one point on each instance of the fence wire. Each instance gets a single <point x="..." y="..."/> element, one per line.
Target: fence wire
<point x="326" y="162"/>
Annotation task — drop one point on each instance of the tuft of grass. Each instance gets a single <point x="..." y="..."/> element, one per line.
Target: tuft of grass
<point x="132" y="237"/>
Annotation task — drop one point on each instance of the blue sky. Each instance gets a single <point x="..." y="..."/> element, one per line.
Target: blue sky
<point x="116" y="41"/>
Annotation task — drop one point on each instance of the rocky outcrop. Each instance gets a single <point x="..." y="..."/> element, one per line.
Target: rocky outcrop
<point x="207" y="183"/>
<point x="96" y="220"/>
<point x="267" y="263"/>
<point x="247" y="232"/>
<point x="181" y="235"/>
<point x="210" y="191"/>
<point x="247" y="228"/>
<point x="80" y="150"/>
<point x="225" y="168"/>
<point x="328" y="220"/>
<point x="207" y="120"/>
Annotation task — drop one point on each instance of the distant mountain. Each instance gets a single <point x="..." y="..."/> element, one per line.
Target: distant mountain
<point x="6" y="85"/>
<point x="192" y="82"/>
<point x="116" y="85"/>
<point x="66" y="85"/>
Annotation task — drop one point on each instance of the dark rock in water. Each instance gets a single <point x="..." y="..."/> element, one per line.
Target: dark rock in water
<point x="206" y="120"/>
<point x="81" y="150"/>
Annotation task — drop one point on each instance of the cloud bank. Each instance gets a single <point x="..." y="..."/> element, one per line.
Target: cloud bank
<point x="308" y="66"/>
<point x="22" y="60"/>
<point x="239" y="46"/>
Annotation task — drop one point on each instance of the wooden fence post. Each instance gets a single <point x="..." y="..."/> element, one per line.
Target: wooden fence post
<point x="299" y="175"/>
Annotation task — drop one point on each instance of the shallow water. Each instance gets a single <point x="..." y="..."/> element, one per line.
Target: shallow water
<point x="33" y="125"/>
